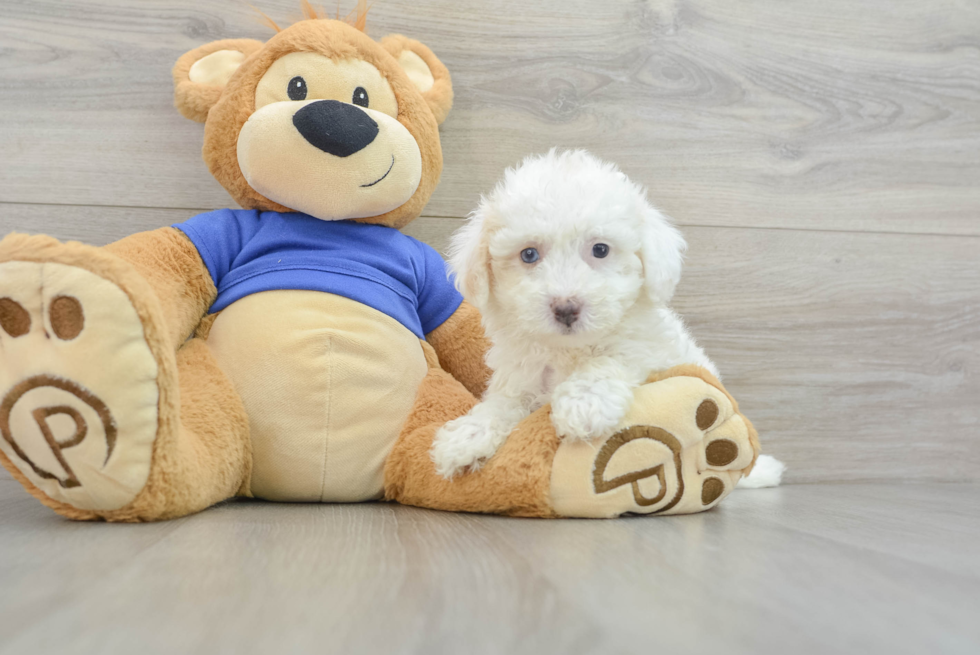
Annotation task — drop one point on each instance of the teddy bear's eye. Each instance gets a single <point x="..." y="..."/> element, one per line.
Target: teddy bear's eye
<point x="297" y="88"/>
<point x="529" y="255"/>
<point x="600" y="250"/>
<point x="360" y="97"/>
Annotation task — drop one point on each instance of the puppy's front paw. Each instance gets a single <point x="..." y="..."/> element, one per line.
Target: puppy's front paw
<point x="463" y="445"/>
<point x="586" y="409"/>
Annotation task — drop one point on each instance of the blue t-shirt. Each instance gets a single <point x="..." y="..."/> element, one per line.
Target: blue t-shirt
<point x="248" y="251"/>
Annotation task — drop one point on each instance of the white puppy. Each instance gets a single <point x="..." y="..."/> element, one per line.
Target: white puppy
<point x="572" y="270"/>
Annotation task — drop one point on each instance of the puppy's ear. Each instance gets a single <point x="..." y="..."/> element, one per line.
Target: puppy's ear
<point x="469" y="258"/>
<point x="201" y="74"/>
<point x="662" y="248"/>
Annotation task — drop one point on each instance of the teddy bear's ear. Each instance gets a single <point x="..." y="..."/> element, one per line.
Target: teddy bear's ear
<point x="201" y="74"/>
<point x="426" y="72"/>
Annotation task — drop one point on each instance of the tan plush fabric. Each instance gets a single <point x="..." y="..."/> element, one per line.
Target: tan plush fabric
<point x="194" y="99"/>
<point x="327" y="383"/>
<point x="693" y="370"/>
<point x="278" y="161"/>
<point x="655" y="473"/>
<point x="326" y="78"/>
<point x="216" y="68"/>
<point x="417" y="70"/>
<point x="439" y="94"/>
<point x="68" y="391"/>
<point x="42" y="249"/>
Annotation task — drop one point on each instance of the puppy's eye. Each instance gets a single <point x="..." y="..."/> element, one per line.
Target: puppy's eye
<point x="600" y="250"/>
<point x="529" y="255"/>
<point x="297" y="88"/>
<point x="360" y="97"/>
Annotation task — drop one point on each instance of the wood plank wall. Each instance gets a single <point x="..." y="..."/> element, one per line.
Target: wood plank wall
<point x="823" y="159"/>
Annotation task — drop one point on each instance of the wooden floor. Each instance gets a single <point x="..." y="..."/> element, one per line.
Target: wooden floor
<point x="848" y="568"/>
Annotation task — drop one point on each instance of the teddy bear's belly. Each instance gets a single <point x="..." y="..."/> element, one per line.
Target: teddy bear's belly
<point x="327" y="383"/>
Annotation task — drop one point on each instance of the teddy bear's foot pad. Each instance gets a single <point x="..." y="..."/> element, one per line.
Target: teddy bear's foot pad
<point x="680" y="449"/>
<point x="78" y="385"/>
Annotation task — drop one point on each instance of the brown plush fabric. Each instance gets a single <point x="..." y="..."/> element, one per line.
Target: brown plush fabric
<point x="168" y="261"/>
<point x="67" y="317"/>
<point x="721" y="452"/>
<point x="462" y="348"/>
<point x="711" y="490"/>
<point x="516" y="481"/>
<point x="201" y="453"/>
<point x="338" y="40"/>
<point x="431" y="358"/>
<point x="204" y="327"/>
<point x="14" y="319"/>
<point x="194" y="100"/>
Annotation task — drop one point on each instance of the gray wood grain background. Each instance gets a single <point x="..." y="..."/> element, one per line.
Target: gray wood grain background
<point x="823" y="158"/>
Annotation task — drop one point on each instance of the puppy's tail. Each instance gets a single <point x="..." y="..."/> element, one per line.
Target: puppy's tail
<point x="767" y="472"/>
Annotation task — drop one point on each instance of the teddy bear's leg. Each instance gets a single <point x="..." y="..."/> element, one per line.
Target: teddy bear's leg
<point x="99" y="416"/>
<point x="206" y="456"/>
<point x="515" y="481"/>
<point x="681" y="448"/>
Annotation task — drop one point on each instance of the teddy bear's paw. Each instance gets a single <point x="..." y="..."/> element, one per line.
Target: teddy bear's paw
<point x="78" y="385"/>
<point x="680" y="449"/>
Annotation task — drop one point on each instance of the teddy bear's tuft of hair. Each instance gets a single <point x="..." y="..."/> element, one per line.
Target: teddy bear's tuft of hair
<point x="357" y="18"/>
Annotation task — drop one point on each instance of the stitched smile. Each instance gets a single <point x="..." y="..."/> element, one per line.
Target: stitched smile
<point x="383" y="176"/>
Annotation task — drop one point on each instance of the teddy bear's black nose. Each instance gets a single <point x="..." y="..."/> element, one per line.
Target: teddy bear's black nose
<point x="335" y="127"/>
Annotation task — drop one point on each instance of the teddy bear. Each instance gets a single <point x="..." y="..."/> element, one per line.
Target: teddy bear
<point x="302" y="348"/>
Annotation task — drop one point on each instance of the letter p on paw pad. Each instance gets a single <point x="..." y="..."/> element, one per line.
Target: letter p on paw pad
<point x="78" y="385"/>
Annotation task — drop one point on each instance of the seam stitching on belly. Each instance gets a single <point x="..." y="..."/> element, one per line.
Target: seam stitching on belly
<point x="326" y="439"/>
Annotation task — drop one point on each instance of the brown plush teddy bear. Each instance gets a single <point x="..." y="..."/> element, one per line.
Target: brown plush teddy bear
<point x="302" y="348"/>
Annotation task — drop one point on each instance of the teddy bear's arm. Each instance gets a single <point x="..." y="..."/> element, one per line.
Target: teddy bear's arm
<point x="168" y="260"/>
<point x="462" y="347"/>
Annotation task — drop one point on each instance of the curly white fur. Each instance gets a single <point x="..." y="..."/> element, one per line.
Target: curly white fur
<point x="767" y="472"/>
<point x="562" y="205"/>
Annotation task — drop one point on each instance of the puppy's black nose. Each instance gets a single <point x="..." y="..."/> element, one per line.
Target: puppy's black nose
<point x="337" y="128"/>
<point x="566" y="311"/>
